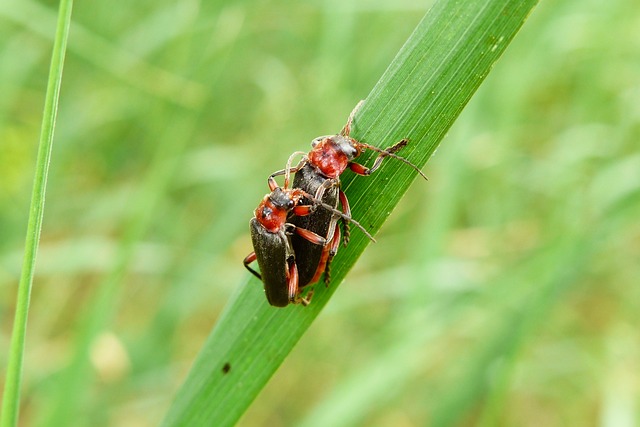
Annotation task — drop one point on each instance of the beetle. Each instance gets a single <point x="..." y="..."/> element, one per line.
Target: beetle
<point x="318" y="173"/>
<point x="271" y="234"/>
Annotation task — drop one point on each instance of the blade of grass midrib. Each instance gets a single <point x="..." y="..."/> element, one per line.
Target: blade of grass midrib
<point x="419" y="97"/>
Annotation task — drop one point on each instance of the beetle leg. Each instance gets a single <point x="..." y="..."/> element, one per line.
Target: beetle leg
<point x="325" y="186"/>
<point x="306" y="300"/>
<point x="292" y="285"/>
<point x="330" y="253"/>
<point x="291" y="170"/>
<point x="344" y="202"/>
<point x="248" y="260"/>
<point x="304" y="210"/>
<point x="346" y="130"/>
<point x="314" y="238"/>
<point x="288" y="170"/>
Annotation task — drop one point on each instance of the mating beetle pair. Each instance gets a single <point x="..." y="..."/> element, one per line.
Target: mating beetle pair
<point x="272" y="230"/>
<point x="294" y="231"/>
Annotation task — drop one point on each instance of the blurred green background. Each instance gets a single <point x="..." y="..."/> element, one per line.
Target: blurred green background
<point x="502" y="292"/>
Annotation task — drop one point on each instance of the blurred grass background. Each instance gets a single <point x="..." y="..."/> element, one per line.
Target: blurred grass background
<point x="502" y="292"/>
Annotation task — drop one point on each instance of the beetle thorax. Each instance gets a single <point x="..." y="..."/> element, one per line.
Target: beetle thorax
<point x="331" y="154"/>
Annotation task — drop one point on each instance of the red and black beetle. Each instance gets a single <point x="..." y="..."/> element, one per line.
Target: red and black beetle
<point x="318" y="173"/>
<point x="271" y="233"/>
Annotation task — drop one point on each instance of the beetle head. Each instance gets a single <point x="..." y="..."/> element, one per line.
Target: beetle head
<point x="282" y="199"/>
<point x="346" y="145"/>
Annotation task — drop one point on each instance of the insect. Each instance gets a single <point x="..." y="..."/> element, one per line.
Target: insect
<point x="271" y="233"/>
<point x="318" y="173"/>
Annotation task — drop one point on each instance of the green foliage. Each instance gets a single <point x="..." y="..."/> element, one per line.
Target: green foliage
<point x="501" y="291"/>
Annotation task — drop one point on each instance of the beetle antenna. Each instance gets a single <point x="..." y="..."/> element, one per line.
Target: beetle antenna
<point x="340" y="214"/>
<point x="390" y="153"/>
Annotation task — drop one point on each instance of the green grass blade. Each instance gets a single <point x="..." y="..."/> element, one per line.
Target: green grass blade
<point x="419" y="97"/>
<point x="11" y="399"/>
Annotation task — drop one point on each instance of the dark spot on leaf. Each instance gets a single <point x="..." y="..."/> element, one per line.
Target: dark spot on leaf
<point x="226" y="368"/>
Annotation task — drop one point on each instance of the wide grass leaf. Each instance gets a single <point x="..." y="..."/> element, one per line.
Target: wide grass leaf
<point x="419" y="96"/>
